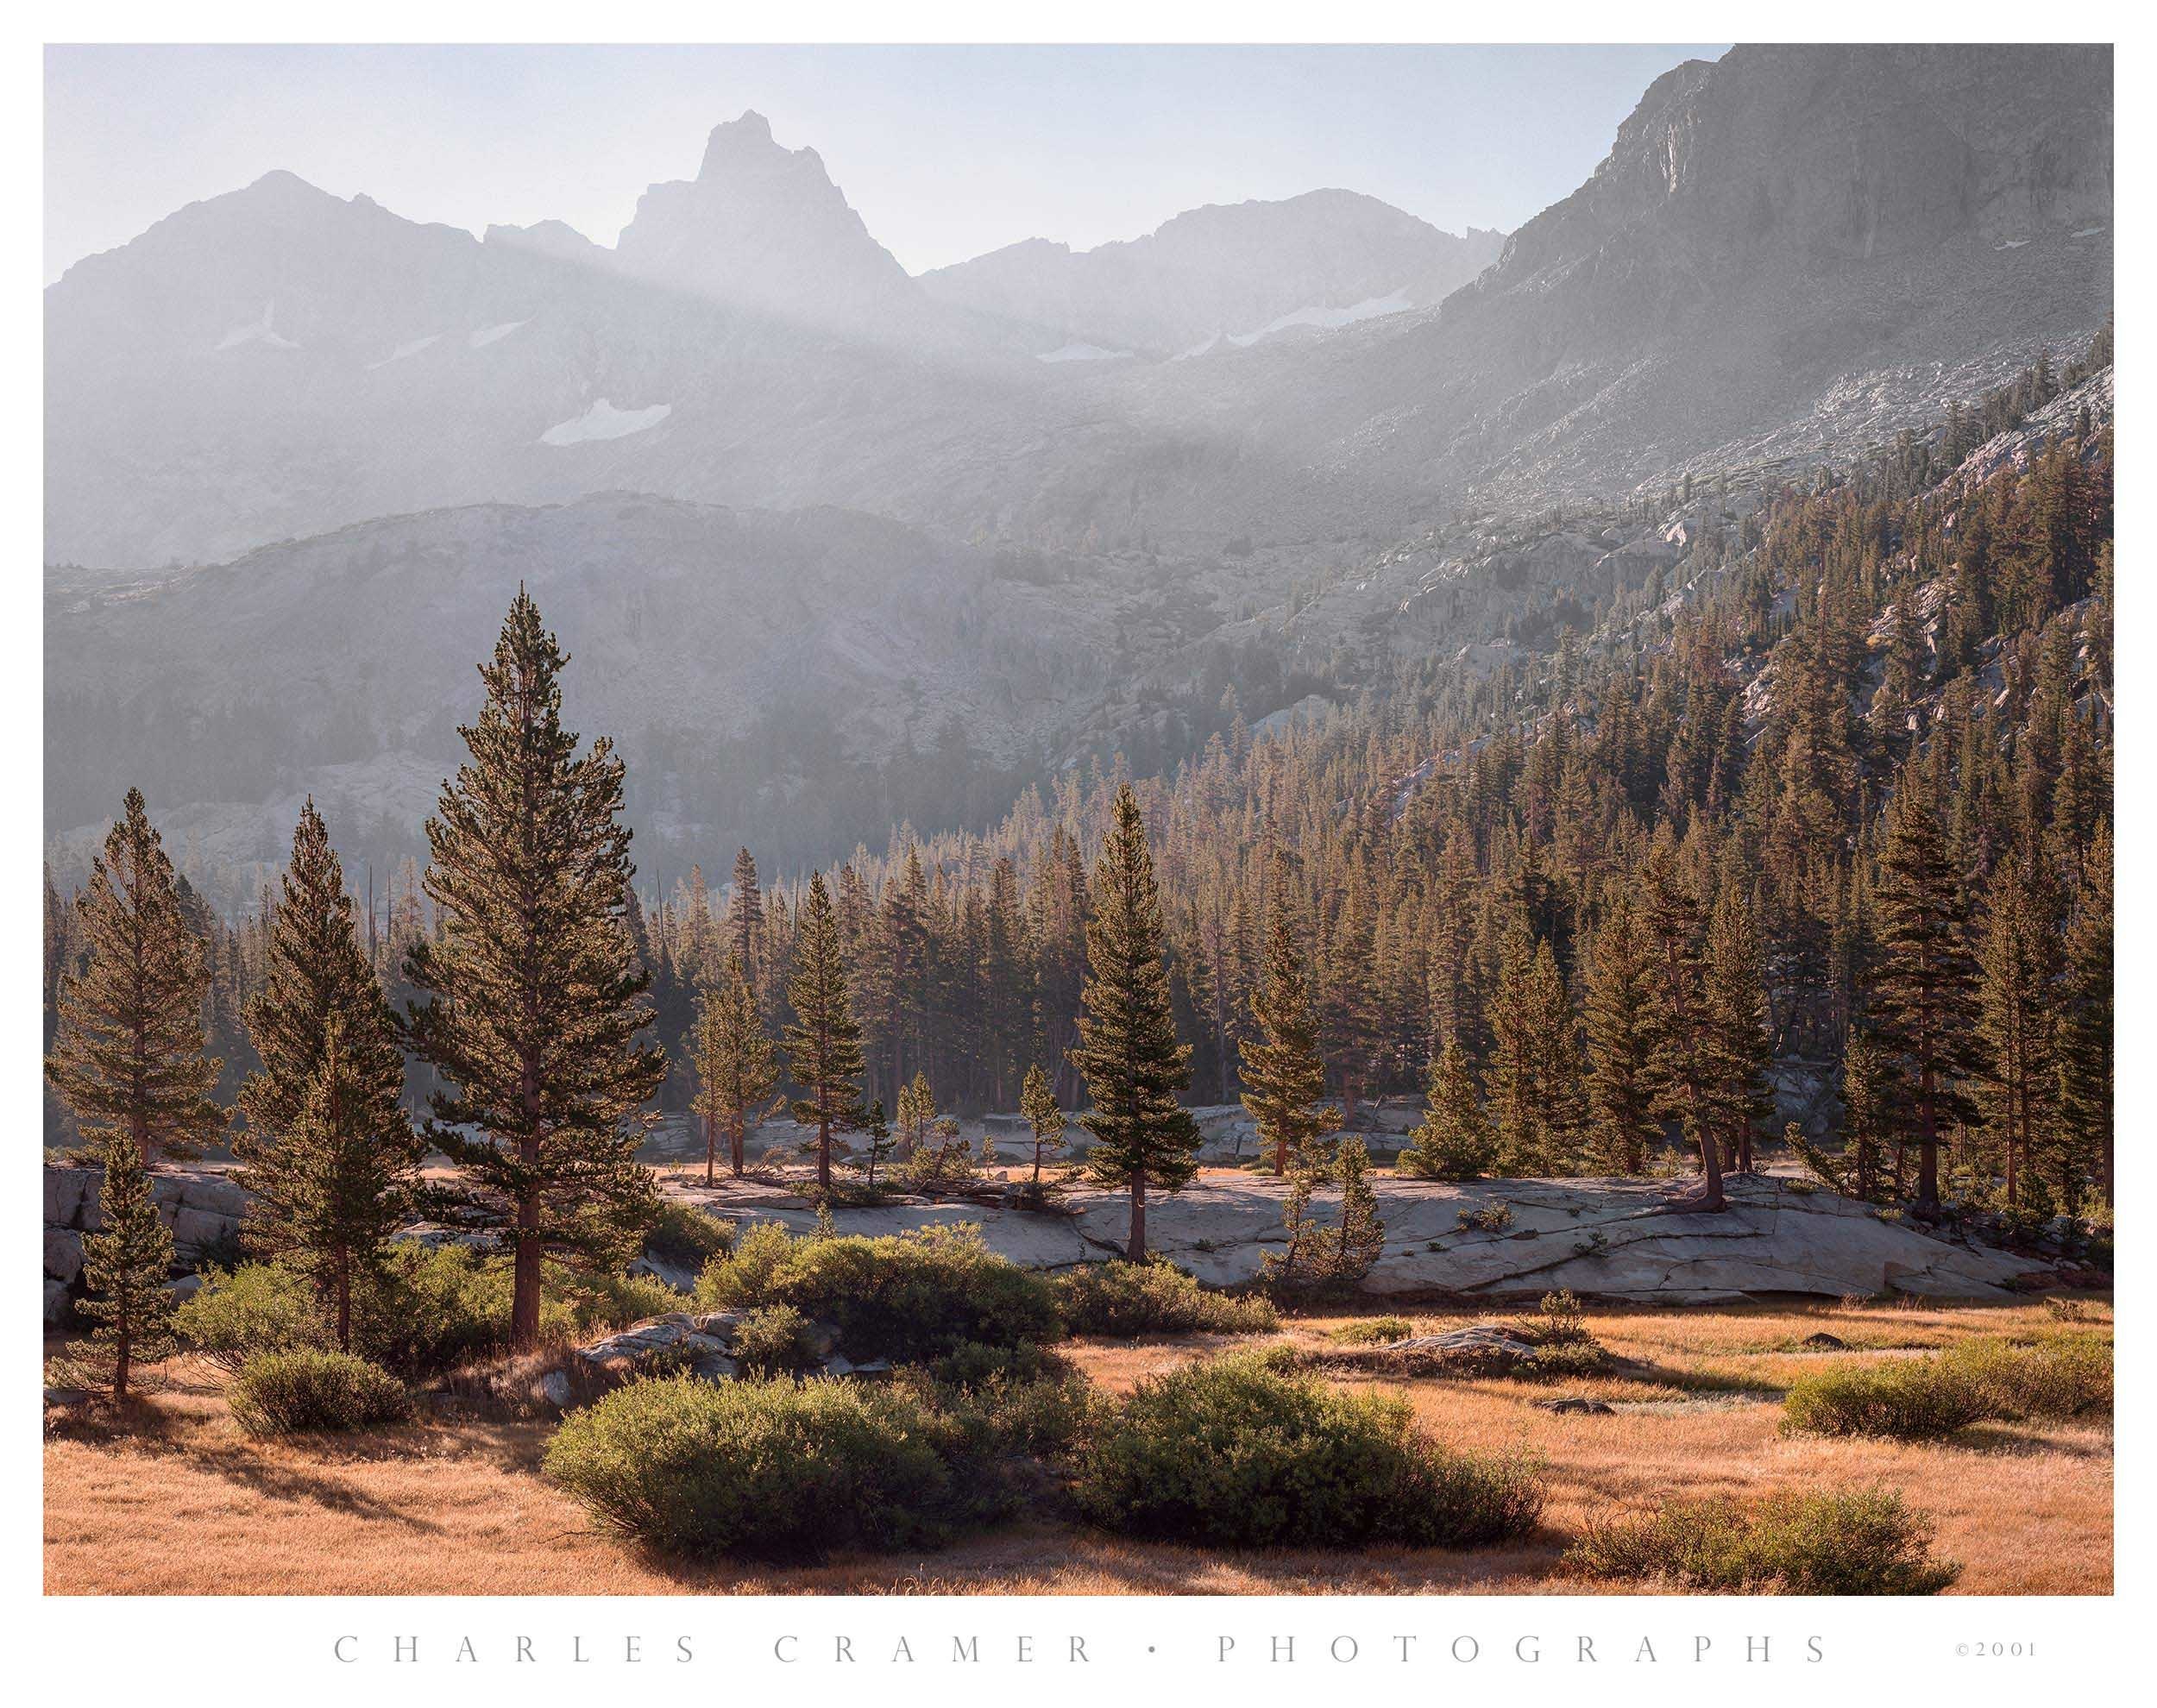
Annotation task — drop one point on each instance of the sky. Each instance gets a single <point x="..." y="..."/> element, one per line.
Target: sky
<point x="947" y="152"/>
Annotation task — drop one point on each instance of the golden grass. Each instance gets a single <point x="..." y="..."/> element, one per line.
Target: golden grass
<point x="172" y="1499"/>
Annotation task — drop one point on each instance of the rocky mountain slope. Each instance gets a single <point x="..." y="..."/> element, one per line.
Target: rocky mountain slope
<point x="1220" y="278"/>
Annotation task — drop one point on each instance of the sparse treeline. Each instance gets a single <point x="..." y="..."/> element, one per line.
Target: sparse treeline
<point x="1843" y="804"/>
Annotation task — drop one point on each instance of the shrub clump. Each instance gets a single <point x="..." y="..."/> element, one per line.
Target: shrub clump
<point x="1918" y="1399"/>
<point x="1861" y="1541"/>
<point x="1239" y="1452"/>
<point x="2068" y="1376"/>
<point x="1120" y="1300"/>
<point x="281" y="1393"/>
<point x="682" y="1234"/>
<point x="776" y="1340"/>
<point x="775" y="1470"/>
<point x="1373" y="1331"/>
<point x="907" y="1297"/>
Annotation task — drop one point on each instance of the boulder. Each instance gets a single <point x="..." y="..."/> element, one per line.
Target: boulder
<point x="63" y="1255"/>
<point x="1574" y="1406"/>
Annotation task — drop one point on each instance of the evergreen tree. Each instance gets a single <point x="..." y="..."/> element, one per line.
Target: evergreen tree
<point x="327" y="1149"/>
<point x="1453" y="1140"/>
<point x="1867" y="1117"/>
<point x="2019" y="962"/>
<point x="823" y="1042"/>
<point x="745" y="917"/>
<point x="736" y="1068"/>
<point x="1043" y="1114"/>
<point x="125" y="1265"/>
<point x="1683" y="1066"/>
<point x="128" y="1055"/>
<point x="1360" y="1239"/>
<point x="1283" y="1074"/>
<point x="917" y="1113"/>
<point x="1736" y="1041"/>
<point x="1622" y="1006"/>
<point x="535" y="980"/>
<point x="2084" y="1041"/>
<point x="1924" y="991"/>
<point x="875" y="1132"/>
<point x="1127" y="1053"/>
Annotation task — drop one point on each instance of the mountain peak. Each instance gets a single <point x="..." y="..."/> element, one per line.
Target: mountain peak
<point x="738" y="141"/>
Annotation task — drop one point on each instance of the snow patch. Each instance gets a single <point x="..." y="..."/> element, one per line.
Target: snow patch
<point x="603" y="421"/>
<point x="404" y="350"/>
<point x="1325" y="319"/>
<point x="489" y="335"/>
<point x="1198" y="349"/>
<point x="2013" y="244"/>
<point x="1082" y="353"/>
<point x="259" y="333"/>
<point x="2089" y="231"/>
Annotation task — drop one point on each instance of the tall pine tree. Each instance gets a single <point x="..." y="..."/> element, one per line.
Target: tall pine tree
<point x="125" y="1267"/>
<point x="537" y="986"/>
<point x="1127" y="1053"/>
<point x="128" y="1055"/>
<point x="1284" y="1076"/>
<point x="823" y="1043"/>
<point x="736" y="1068"/>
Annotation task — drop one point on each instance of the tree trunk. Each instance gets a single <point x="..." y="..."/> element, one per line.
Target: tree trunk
<point x="711" y="1149"/>
<point x="344" y="1302"/>
<point x="524" y="1312"/>
<point x="1280" y="1156"/>
<point x="824" y="1154"/>
<point x="1929" y="1144"/>
<point x="1136" y="1251"/>
<point x="121" y="1350"/>
<point x="740" y="1142"/>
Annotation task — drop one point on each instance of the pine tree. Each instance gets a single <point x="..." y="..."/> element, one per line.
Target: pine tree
<point x="129" y="1056"/>
<point x="823" y="1042"/>
<point x="535" y="978"/>
<point x="745" y="917"/>
<point x="124" y="1266"/>
<point x="1923" y="993"/>
<point x="327" y="1149"/>
<point x="1737" y="1043"/>
<point x="1867" y="1117"/>
<point x="2019" y="961"/>
<point x="1127" y="1053"/>
<point x="1043" y="1114"/>
<point x="917" y="1113"/>
<point x="2084" y="1041"/>
<point x="1683" y="1070"/>
<point x="1283" y="1077"/>
<point x="736" y="1067"/>
<point x="1360" y="1239"/>
<point x="1622" y="1004"/>
<point x="1453" y="1140"/>
<point x="875" y="1132"/>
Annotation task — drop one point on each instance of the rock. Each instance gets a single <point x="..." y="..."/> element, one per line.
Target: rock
<point x="1574" y="1406"/>
<point x="184" y="1287"/>
<point x="63" y="1255"/>
<point x="555" y="1387"/>
<point x="64" y="1190"/>
<point x="676" y="1276"/>
<point x="55" y="1302"/>
<point x="1602" y="1239"/>
<point x="1824" y="1342"/>
<point x="699" y="1344"/>
<point x="436" y="1234"/>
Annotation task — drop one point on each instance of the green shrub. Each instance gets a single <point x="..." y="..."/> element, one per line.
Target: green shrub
<point x="1492" y="1218"/>
<point x="1917" y="1399"/>
<point x="236" y="1314"/>
<point x="279" y="1393"/>
<point x="918" y="1295"/>
<point x="1120" y="1300"/>
<point x="1859" y="1543"/>
<point x="1373" y="1331"/>
<point x="774" y="1470"/>
<point x="1237" y="1451"/>
<point x="776" y="1340"/>
<point x="2069" y="1376"/>
<point x="1559" y="1321"/>
<point x="684" y="1234"/>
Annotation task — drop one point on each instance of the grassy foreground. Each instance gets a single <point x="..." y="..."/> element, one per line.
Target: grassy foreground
<point x="173" y="1499"/>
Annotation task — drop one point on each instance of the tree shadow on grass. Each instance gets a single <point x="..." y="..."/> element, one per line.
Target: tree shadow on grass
<point x="300" y="1485"/>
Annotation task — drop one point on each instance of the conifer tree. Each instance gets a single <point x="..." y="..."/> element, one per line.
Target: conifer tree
<point x="1734" y="990"/>
<point x="876" y="1131"/>
<point x="745" y="917"/>
<point x="1043" y="1114"/>
<point x="1622" y="1006"/>
<point x="823" y="1042"/>
<point x="1127" y="1053"/>
<point x="2084" y="1041"/>
<point x="2019" y="962"/>
<point x="535" y="981"/>
<point x="1453" y="1140"/>
<point x="1284" y="1076"/>
<point x="1867" y="1117"/>
<point x="129" y="1056"/>
<point x="916" y="1113"/>
<point x="327" y="1149"/>
<point x="1359" y="1241"/>
<point x="124" y="1266"/>
<point x="736" y="1067"/>
<point x="1924" y="991"/>
<point x="1684" y="1069"/>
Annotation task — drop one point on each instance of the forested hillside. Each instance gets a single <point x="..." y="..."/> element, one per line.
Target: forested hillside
<point x="1821" y="815"/>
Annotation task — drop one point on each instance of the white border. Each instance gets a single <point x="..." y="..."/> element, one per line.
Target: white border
<point x="246" y="1648"/>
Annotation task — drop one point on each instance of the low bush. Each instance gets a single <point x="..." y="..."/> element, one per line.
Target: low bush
<point x="2067" y="1376"/>
<point x="914" y="1296"/>
<point x="775" y="1470"/>
<point x="1240" y="1451"/>
<point x="1373" y="1331"/>
<point x="239" y="1314"/>
<point x="1492" y="1218"/>
<point x="1120" y="1300"/>
<point x="685" y="1235"/>
<point x="776" y="1340"/>
<point x="1857" y="1543"/>
<point x="1917" y="1399"/>
<point x="281" y="1393"/>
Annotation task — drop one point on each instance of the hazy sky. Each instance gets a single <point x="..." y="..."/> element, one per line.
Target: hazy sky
<point x="946" y="151"/>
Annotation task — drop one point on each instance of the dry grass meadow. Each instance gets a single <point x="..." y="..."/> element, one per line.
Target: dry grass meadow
<point x="171" y="1498"/>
